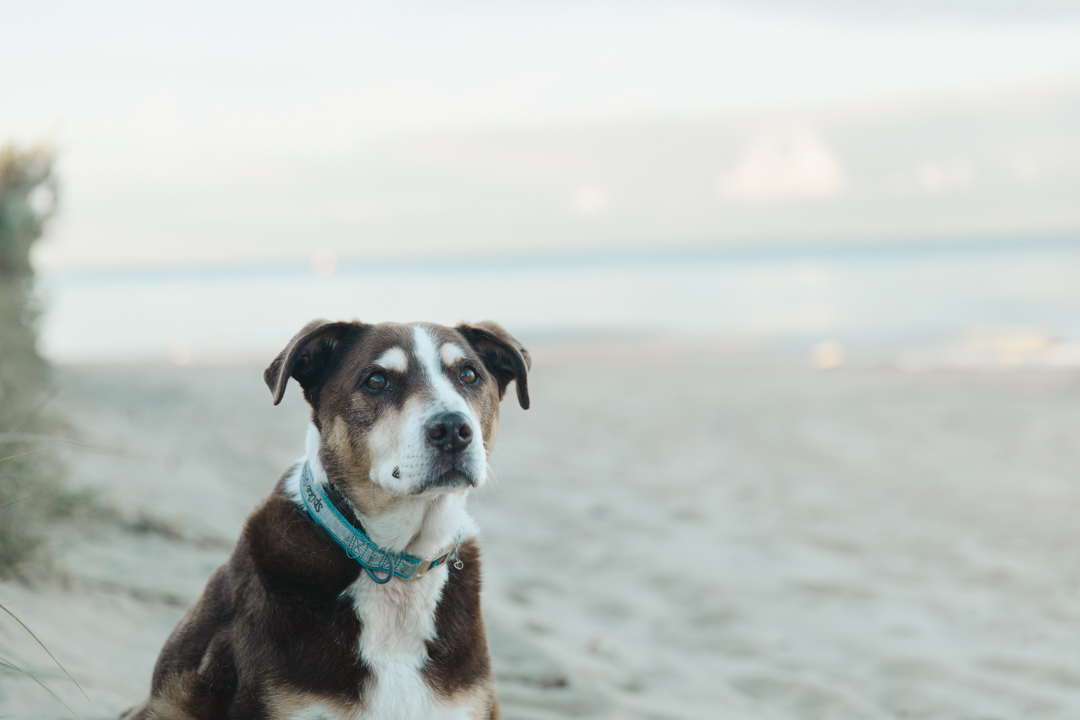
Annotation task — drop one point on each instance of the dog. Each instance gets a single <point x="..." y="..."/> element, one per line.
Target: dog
<point x="354" y="589"/>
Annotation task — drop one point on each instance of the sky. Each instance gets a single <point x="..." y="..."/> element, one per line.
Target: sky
<point x="239" y="133"/>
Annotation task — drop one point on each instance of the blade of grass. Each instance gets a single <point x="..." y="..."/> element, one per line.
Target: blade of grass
<point x="32" y="415"/>
<point x="28" y="452"/>
<point x="16" y="668"/>
<point x="21" y="499"/>
<point x="15" y="617"/>
<point x="19" y="438"/>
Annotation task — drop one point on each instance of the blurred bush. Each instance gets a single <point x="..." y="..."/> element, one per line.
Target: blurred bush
<point x="30" y="476"/>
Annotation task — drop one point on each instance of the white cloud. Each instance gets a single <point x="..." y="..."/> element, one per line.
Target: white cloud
<point x="590" y="200"/>
<point x="940" y="177"/>
<point x="932" y="177"/>
<point x="791" y="164"/>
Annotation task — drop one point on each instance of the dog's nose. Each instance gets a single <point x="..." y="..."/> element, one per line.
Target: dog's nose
<point x="449" y="432"/>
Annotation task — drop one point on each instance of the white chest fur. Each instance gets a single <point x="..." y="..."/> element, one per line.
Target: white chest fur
<point x="398" y="619"/>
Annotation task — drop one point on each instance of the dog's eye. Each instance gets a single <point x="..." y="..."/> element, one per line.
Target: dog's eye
<point x="376" y="382"/>
<point x="469" y="376"/>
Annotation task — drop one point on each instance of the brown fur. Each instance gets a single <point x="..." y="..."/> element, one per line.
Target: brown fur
<point x="273" y="629"/>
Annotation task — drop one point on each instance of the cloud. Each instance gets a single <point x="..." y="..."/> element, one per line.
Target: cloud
<point x="939" y="177"/>
<point x="933" y="177"/>
<point x="590" y="200"/>
<point x="794" y="163"/>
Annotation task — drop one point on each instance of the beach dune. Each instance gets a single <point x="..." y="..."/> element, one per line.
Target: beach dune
<point x="668" y="535"/>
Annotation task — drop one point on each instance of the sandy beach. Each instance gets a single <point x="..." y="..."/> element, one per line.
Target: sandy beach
<point x="800" y="282"/>
<point x="678" y="535"/>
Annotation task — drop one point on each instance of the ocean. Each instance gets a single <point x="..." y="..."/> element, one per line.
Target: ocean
<point x="876" y="303"/>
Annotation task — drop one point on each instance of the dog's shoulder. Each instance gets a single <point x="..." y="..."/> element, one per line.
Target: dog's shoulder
<point x="289" y="554"/>
<point x="296" y="625"/>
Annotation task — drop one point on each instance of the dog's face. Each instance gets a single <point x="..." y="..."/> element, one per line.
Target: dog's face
<point x="403" y="410"/>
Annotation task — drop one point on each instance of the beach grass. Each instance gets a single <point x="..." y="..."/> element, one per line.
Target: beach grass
<point x="32" y="491"/>
<point x="31" y="473"/>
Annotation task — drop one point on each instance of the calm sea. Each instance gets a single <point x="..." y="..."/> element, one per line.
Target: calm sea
<point x="876" y="302"/>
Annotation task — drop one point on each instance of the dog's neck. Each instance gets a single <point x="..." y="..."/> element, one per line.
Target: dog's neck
<point x="416" y="526"/>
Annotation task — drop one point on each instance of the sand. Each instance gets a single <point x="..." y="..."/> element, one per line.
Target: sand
<point x="669" y="535"/>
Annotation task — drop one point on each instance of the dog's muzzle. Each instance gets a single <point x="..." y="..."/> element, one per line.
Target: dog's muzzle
<point x="449" y="432"/>
<point x="449" y="435"/>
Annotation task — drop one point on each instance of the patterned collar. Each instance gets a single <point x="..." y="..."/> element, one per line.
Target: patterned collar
<point x="360" y="547"/>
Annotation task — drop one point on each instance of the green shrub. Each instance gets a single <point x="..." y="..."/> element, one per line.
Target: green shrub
<point x="27" y="199"/>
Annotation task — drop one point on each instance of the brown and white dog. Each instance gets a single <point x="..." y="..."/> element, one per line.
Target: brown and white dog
<point x="404" y="419"/>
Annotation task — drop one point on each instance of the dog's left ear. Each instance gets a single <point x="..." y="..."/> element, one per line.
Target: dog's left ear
<point x="308" y="357"/>
<point x="502" y="355"/>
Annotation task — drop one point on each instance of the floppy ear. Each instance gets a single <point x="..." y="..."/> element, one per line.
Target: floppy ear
<point x="502" y="355"/>
<point x="309" y="357"/>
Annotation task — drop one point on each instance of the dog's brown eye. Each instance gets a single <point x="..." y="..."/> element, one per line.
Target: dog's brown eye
<point x="376" y="381"/>
<point x="469" y="376"/>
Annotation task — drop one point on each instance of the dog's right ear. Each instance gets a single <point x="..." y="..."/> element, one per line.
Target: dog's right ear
<point x="309" y="357"/>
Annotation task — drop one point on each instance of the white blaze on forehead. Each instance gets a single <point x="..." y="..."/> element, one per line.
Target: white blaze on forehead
<point x="394" y="359"/>
<point x="426" y="353"/>
<point x="451" y="353"/>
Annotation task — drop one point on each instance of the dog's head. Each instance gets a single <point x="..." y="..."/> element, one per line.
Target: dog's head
<point x="403" y="410"/>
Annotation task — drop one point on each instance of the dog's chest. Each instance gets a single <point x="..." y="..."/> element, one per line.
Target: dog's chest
<point x="397" y="621"/>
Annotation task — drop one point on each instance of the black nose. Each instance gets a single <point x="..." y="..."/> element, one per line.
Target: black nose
<point x="450" y="432"/>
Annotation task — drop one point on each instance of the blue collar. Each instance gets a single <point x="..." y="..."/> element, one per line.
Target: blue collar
<point x="359" y="546"/>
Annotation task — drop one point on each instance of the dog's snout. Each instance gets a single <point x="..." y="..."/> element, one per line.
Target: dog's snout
<point x="449" y="432"/>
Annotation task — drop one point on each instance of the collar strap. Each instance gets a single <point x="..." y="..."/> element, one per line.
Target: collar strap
<point x="359" y="546"/>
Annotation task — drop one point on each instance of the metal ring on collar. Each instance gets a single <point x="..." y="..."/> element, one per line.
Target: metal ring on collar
<point x="389" y="573"/>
